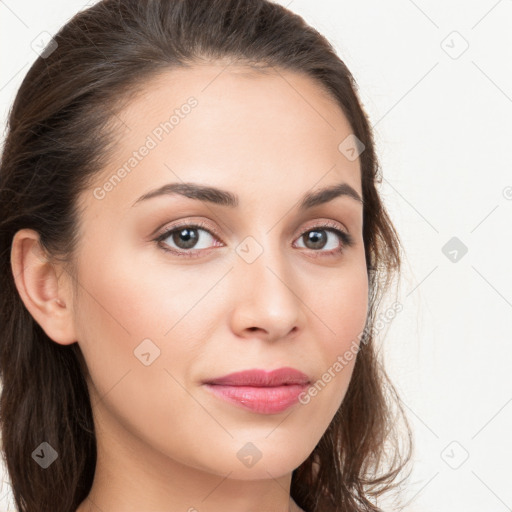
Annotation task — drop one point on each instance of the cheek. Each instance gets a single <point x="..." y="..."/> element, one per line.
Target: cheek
<point x="114" y="313"/>
<point x="123" y="313"/>
<point x="133" y="310"/>
<point x="342" y="305"/>
<point x="343" y="309"/>
<point x="131" y="296"/>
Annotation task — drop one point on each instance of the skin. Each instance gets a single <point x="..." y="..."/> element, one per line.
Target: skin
<point x="164" y="442"/>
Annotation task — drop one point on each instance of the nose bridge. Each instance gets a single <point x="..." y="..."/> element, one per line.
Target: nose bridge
<point x="267" y="296"/>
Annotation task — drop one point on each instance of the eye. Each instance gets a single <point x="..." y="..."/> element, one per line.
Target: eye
<point x="317" y="238"/>
<point x="186" y="237"/>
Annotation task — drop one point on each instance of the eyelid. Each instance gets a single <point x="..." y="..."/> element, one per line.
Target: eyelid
<point x="202" y="224"/>
<point x="342" y="232"/>
<point x="162" y="233"/>
<point x="323" y="224"/>
<point x="185" y="223"/>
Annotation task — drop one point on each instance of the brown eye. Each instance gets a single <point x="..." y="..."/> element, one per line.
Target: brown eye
<point x="315" y="239"/>
<point x="184" y="239"/>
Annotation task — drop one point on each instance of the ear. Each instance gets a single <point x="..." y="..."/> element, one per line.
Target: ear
<point x="46" y="295"/>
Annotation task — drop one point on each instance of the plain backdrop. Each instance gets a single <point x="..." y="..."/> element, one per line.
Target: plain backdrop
<point x="435" y="78"/>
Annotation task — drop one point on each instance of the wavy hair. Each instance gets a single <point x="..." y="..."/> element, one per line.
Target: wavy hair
<point x="65" y="108"/>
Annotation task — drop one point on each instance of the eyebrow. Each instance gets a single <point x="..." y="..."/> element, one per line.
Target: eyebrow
<point x="221" y="197"/>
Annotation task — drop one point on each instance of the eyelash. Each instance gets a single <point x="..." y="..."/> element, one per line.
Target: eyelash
<point x="347" y="239"/>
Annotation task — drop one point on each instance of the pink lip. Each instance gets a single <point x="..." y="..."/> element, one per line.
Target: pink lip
<point x="262" y="378"/>
<point x="261" y="391"/>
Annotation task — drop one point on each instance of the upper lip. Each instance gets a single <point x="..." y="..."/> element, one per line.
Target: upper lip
<point x="262" y="378"/>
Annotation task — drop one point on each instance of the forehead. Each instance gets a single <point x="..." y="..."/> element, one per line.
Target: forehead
<point x="231" y="126"/>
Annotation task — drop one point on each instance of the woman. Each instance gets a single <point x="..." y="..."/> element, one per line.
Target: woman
<point x="193" y="250"/>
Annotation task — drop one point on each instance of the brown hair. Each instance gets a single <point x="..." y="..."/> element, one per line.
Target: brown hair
<point x="63" y="110"/>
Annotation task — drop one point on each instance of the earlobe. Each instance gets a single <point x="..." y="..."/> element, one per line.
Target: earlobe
<point x="41" y="290"/>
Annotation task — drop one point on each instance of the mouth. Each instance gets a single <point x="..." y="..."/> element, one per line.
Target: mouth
<point x="260" y="391"/>
<point x="262" y="378"/>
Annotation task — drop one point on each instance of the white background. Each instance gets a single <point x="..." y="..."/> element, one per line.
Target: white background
<point x="442" y="121"/>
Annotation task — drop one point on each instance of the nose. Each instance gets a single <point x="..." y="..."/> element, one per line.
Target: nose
<point x="267" y="302"/>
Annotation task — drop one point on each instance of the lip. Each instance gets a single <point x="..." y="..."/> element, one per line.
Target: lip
<point x="262" y="378"/>
<point x="260" y="391"/>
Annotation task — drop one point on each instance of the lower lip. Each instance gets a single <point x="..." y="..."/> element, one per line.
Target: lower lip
<point x="263" y="400"/>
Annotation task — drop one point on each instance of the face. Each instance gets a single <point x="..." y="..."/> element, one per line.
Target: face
<point x="174" y="291"/>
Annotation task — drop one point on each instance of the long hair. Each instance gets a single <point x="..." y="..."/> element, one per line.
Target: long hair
<point x="60" y="134"/>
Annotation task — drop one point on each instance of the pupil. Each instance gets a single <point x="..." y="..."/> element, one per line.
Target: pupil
<point x="318" y="238"/>
<point x="188" y="235"/>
